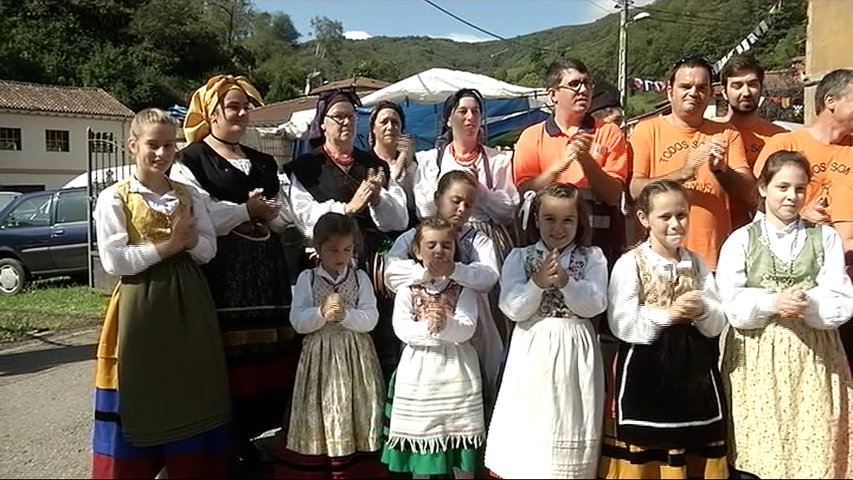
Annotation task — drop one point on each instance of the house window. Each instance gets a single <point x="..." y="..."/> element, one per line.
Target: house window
<point x="56" y="140"/>
<point x="102" y="142"/>
<point x="10" y="138"/>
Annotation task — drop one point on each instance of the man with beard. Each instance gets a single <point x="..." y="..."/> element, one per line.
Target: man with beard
<point x="572" y="147"/>
<point x="706" y="156"/>
<point x="742" y="79"/>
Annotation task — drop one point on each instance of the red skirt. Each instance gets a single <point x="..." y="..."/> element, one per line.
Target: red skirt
<point x="293" y="465"/>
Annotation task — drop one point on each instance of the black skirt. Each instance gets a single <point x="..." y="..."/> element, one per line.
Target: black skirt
<point x="669" y="394"/>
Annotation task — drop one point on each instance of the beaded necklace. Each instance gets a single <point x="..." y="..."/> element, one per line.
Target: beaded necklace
<point x="789" y="265"/>
<point x="341" y="159"/>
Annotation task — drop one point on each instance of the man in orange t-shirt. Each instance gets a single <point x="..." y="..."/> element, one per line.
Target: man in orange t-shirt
<point x="828" y="146"/>
<point x="572" y="147"/>
<point x="742" y="79"/>
<point x="706" y="156"/>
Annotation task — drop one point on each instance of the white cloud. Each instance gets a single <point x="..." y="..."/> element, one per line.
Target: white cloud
<point x="463" y="37"/>
<point x="357" y="35"/>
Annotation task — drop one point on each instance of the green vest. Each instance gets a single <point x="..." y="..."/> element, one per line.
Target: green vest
<point x="765" y="270"/>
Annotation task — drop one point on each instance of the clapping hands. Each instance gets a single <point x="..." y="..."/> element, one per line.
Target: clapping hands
<point x="551" y="273"/>
<point x="261" y="207"/>
<point x="368" y="191"/>
<point x="688" y="307"/>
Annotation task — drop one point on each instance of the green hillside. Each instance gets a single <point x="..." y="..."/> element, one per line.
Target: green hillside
<point x="154" y="52"/>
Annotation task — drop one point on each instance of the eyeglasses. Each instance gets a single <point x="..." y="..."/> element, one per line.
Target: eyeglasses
<point x="575" y="85"/>
<point x="341" y="119"/>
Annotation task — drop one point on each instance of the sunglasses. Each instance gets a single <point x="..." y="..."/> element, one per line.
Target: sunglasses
<point x="575" y="85"/>
<point x="693" y="59"/>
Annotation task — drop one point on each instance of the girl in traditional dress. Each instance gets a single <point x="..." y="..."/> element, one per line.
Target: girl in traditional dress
<point x="460" y="147"/>
<point x="248" y="277"/>
<point x="337" y="177"/>
<point x="437" y="420"/>
<point x="785" y="293"/>
<point x="547" y="420"/>
<point x="477" y="269"/>
<point x="665" y="310"/>
<point x="336" y="422"/>
<point x="161" y="396"/>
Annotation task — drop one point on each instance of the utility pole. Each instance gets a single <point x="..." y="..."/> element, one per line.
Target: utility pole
<point x="623" y="5"/>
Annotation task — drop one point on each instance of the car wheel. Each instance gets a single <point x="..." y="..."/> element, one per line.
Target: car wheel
<point x="13" y="276"/>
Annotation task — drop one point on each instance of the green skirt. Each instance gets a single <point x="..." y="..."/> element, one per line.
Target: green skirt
<point x="172" y="380"/>
<point x="439" y="463"/>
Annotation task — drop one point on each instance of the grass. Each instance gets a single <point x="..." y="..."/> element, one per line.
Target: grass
<point x="49" y="305"/>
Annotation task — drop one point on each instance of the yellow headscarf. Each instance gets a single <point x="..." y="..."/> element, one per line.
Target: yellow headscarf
<point x="205" y="100"/>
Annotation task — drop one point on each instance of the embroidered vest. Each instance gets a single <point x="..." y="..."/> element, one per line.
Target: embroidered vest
<point x="322" y="287"/>
<point x="425" y="301"/>
<point x="144" y="224"/>
<point x="553" y="304"/>
<point x="660" y="290"/>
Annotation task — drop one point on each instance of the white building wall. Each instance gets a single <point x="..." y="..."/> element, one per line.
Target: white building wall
<point x="33" y="164"/>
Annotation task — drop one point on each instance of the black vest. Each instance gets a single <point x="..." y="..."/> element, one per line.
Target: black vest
<point x="326" y="181"/>
<point x="224" y="181"/>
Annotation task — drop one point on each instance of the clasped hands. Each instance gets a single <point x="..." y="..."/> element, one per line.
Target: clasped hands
<point x="368" y="191"/>
<point x="333" y="308"/>
<point x="551" y="273"/>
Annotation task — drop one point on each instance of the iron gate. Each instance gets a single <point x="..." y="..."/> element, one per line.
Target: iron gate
<point x="108" y="163"/>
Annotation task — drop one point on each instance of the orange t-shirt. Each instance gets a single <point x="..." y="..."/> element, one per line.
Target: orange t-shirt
<point x="660" y="148"/>
<point x="755" y="131"/>
<point x="542" y="144"/>
<point x="831" y="165"/>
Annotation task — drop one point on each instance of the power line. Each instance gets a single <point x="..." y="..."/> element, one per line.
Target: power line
<point x="483" y="30"/>
<point x="591" y="2"/>
<point x="466" y="22"/>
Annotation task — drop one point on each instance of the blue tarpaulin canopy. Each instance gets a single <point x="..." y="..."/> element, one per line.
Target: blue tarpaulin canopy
<point x="508" y="108"/>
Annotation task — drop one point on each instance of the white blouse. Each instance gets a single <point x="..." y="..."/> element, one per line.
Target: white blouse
<point x="497" y="204"/>
<point x="120" y="258"/>
<point x="389" y="215"/>
<point x="830" y="301"/>
<point x="520" y="296"/>
<point x="459" y="329"/>
<point x="480" y="275"/>
<point x="305" y="316"/>
<point x="633" y="322"/>
<point x="228" y="215"/>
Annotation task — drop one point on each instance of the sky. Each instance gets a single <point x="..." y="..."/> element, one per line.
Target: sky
<point x="395" y="18"/>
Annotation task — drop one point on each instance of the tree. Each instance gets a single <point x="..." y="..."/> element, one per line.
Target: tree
<point x="280" y="77"/>
<point x="270" y="35"/>
<point x="329" y="35"/>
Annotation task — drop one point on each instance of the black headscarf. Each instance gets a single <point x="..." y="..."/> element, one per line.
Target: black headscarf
<point x="450" y="105"/>
<point x="375" y="113"/>
<point x="316" y="137"/>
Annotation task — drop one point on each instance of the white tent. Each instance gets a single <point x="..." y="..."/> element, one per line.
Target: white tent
<point x="431" y="87"/>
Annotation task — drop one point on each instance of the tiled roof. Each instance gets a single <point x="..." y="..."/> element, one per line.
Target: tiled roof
<point x="60" y="99"/>
<point x="357" y="83"/>
<point x="274" y="114"/>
